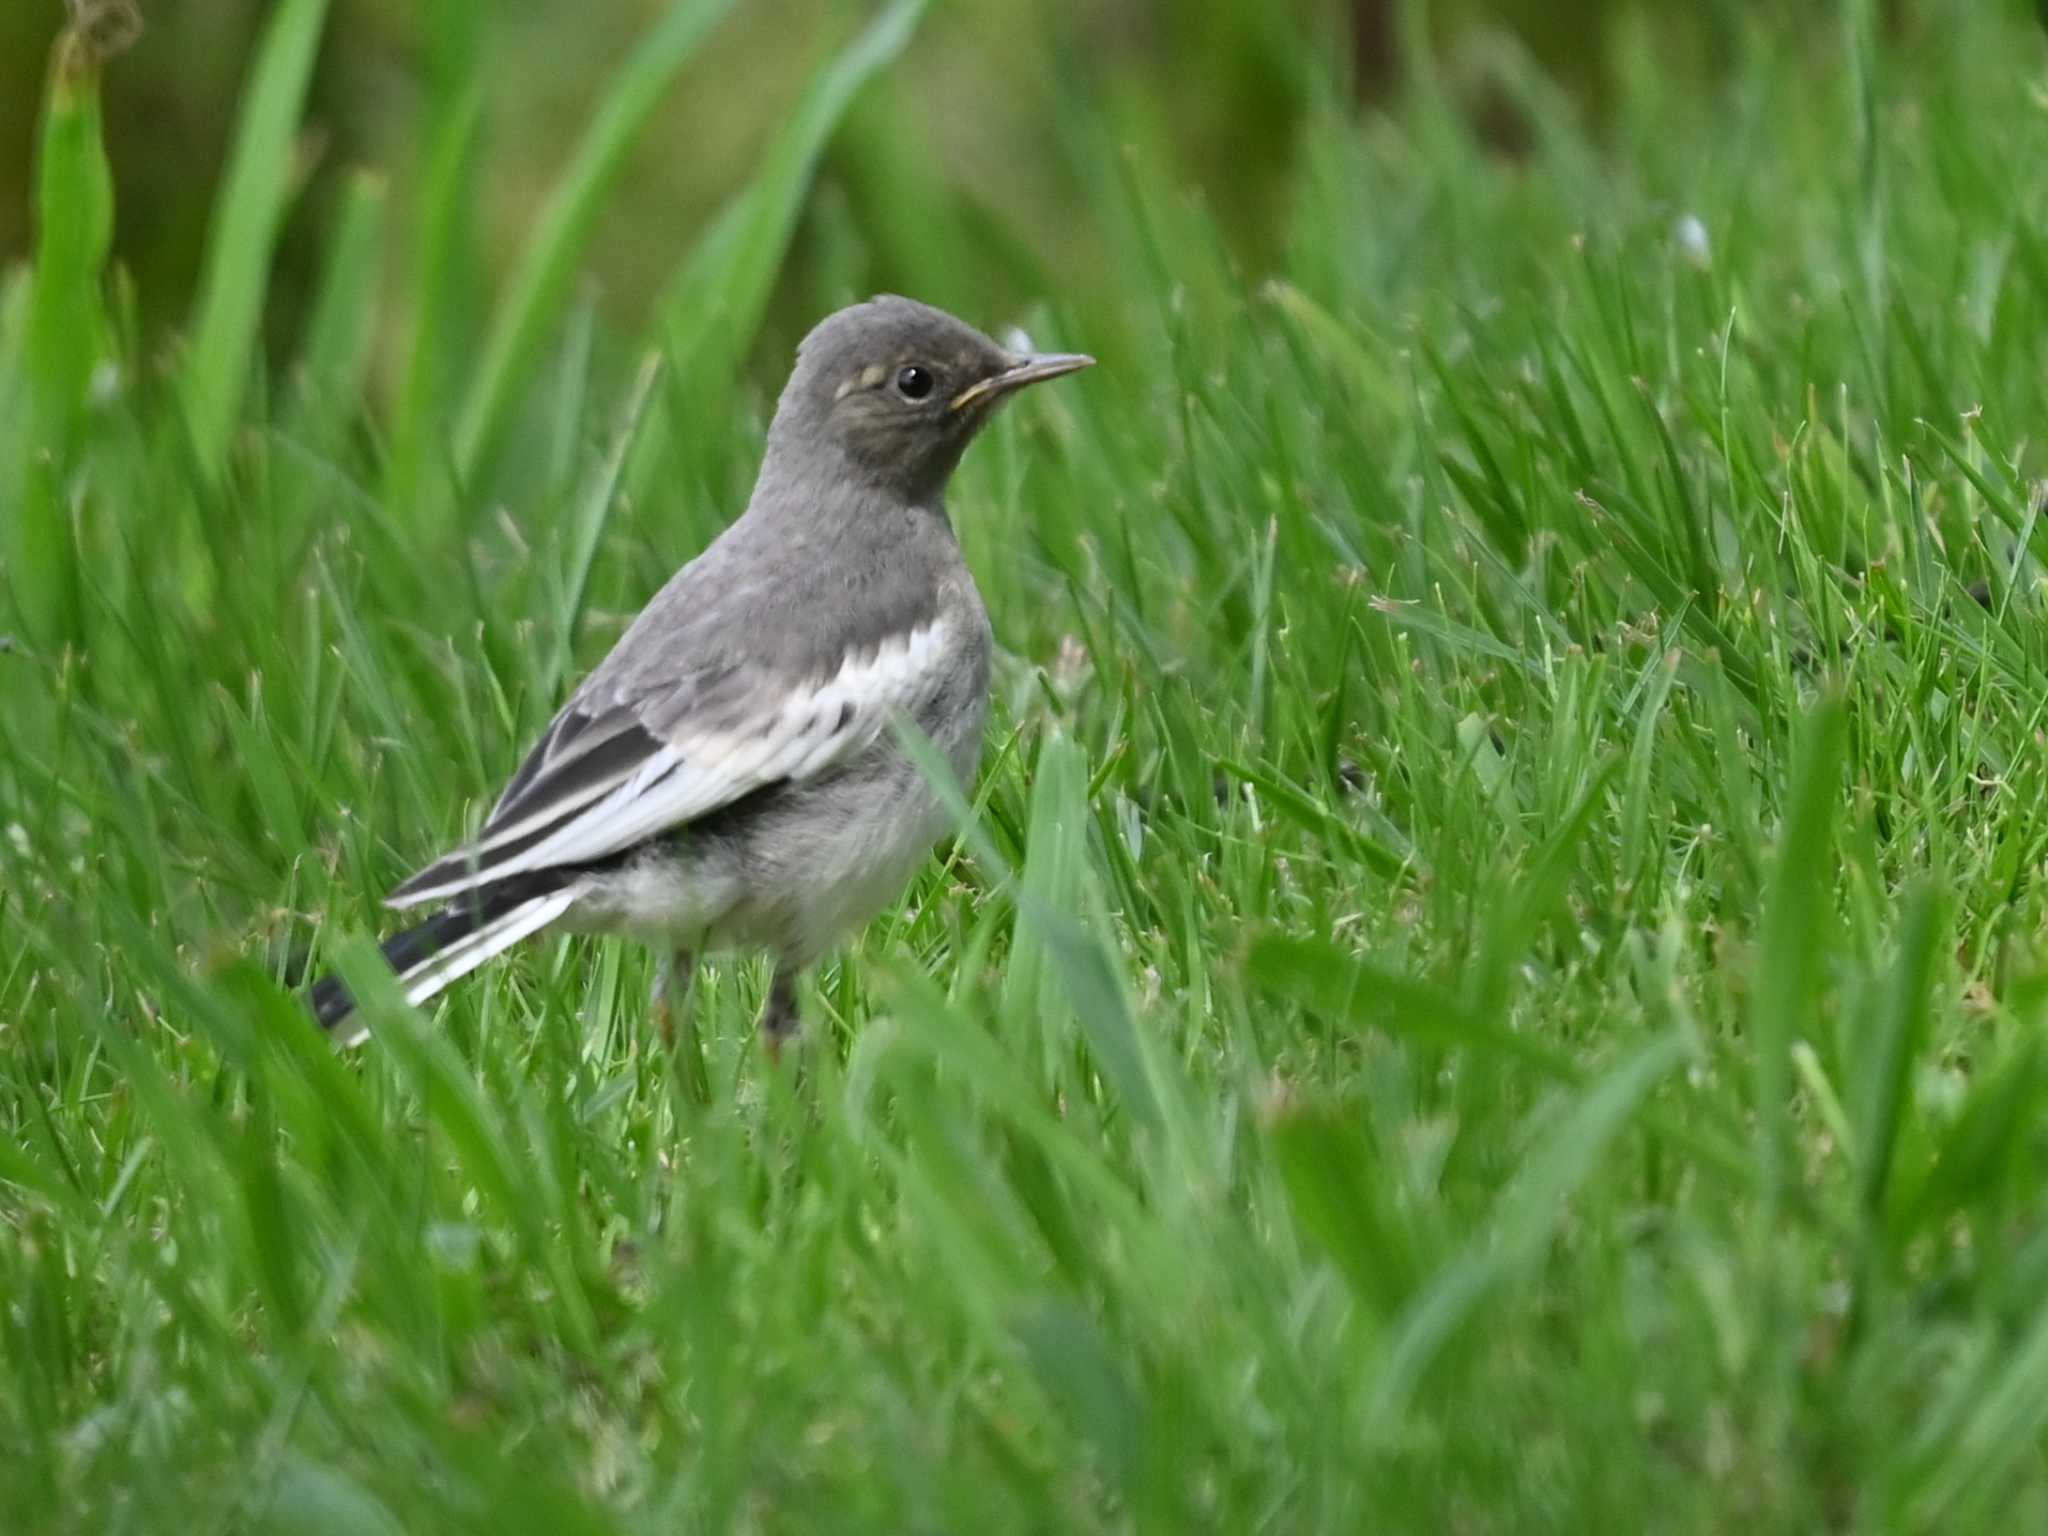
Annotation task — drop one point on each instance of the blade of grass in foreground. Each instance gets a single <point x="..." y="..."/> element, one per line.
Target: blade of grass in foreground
<point x="1788" y="968"/>
<point x="1969" y="1473"/>
<point x="1095" y="986"/>
<point x="534" y="300"/>
<point x="1055" y="865"/>
<point x="245" y="225"/>
<point x="1524" y="1217"/>
<point x="1319" y="976"/>
<point x="1882" y="1104"/>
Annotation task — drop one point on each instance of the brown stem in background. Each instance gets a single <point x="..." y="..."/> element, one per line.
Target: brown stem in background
<point x="99" y="30"/>
<point x="1375" y="55"/>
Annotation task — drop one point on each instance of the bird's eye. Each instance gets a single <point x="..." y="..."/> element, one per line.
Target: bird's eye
<point x="913" y="382"/>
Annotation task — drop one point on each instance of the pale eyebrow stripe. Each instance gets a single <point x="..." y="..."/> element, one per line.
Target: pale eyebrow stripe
<point x="867" y="378"/>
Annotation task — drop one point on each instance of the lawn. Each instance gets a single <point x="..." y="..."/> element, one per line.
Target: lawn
<point x="1494" y="978"/>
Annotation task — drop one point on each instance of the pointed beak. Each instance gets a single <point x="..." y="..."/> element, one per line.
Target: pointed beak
<point x="1026" y="370"/>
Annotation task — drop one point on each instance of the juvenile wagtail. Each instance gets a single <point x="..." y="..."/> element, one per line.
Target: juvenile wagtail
<point x="728" y="777"/>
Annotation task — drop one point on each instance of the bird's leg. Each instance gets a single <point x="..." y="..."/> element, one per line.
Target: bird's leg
<point x="779" y="1019"/>
<point x="675" y="977"/>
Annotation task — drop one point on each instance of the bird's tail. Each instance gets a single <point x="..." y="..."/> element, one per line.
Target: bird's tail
<point x="447" y="947"/>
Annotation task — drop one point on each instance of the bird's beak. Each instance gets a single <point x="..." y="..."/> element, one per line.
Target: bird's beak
<point x="1026" y="370"/>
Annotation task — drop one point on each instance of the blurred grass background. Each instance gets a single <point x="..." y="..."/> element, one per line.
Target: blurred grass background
<point x="981" y="89"/>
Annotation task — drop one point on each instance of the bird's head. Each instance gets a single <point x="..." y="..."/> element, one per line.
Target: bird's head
<point x="893" y="391"/>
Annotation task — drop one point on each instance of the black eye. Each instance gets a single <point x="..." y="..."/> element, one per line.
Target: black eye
<point x="913" y="383"/>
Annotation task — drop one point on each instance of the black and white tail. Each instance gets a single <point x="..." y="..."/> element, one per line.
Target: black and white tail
<point x="449" y="945"/>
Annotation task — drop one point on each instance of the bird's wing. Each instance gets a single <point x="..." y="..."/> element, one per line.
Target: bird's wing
<point x="623" y="764"/>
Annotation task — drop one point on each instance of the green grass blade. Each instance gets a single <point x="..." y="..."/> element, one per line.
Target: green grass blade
<point x="595" y="505"/>
<point x="533" y="300"/>
<point x="1524" y="1218"/>
<point x="1340" y="1196"/>
<point x="713" y="305"/>
<point x="441" y="264"/>
<point x="65" y="338"/>
<point x="246" y="219"/>
<point x="1319" y="976"/>
<point x="2006" y="1418"/>
<point x="1052" y="880"/>
<point x="718" y="295"/>
<point x="1902" y="1027"/>
<point x="334" y="357"/>
<point x="1795" y="919"/>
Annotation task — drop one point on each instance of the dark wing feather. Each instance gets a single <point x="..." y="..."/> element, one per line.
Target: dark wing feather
<point x="582" y="756"/>
<point x="580" y="750"/>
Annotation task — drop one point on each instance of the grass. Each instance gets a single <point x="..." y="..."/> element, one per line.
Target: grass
<point x="1493" y="978"/>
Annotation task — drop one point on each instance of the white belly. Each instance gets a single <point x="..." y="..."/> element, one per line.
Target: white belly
<point x="794" y="879"/>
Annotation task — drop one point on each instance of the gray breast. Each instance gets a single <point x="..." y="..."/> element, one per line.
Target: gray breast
<point x="815" y="859"/>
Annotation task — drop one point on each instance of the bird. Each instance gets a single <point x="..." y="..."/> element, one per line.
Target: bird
<point x="729" y="776"/>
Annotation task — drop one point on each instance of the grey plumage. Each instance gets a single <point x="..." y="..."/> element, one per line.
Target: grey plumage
<point x="727" y="775"/>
